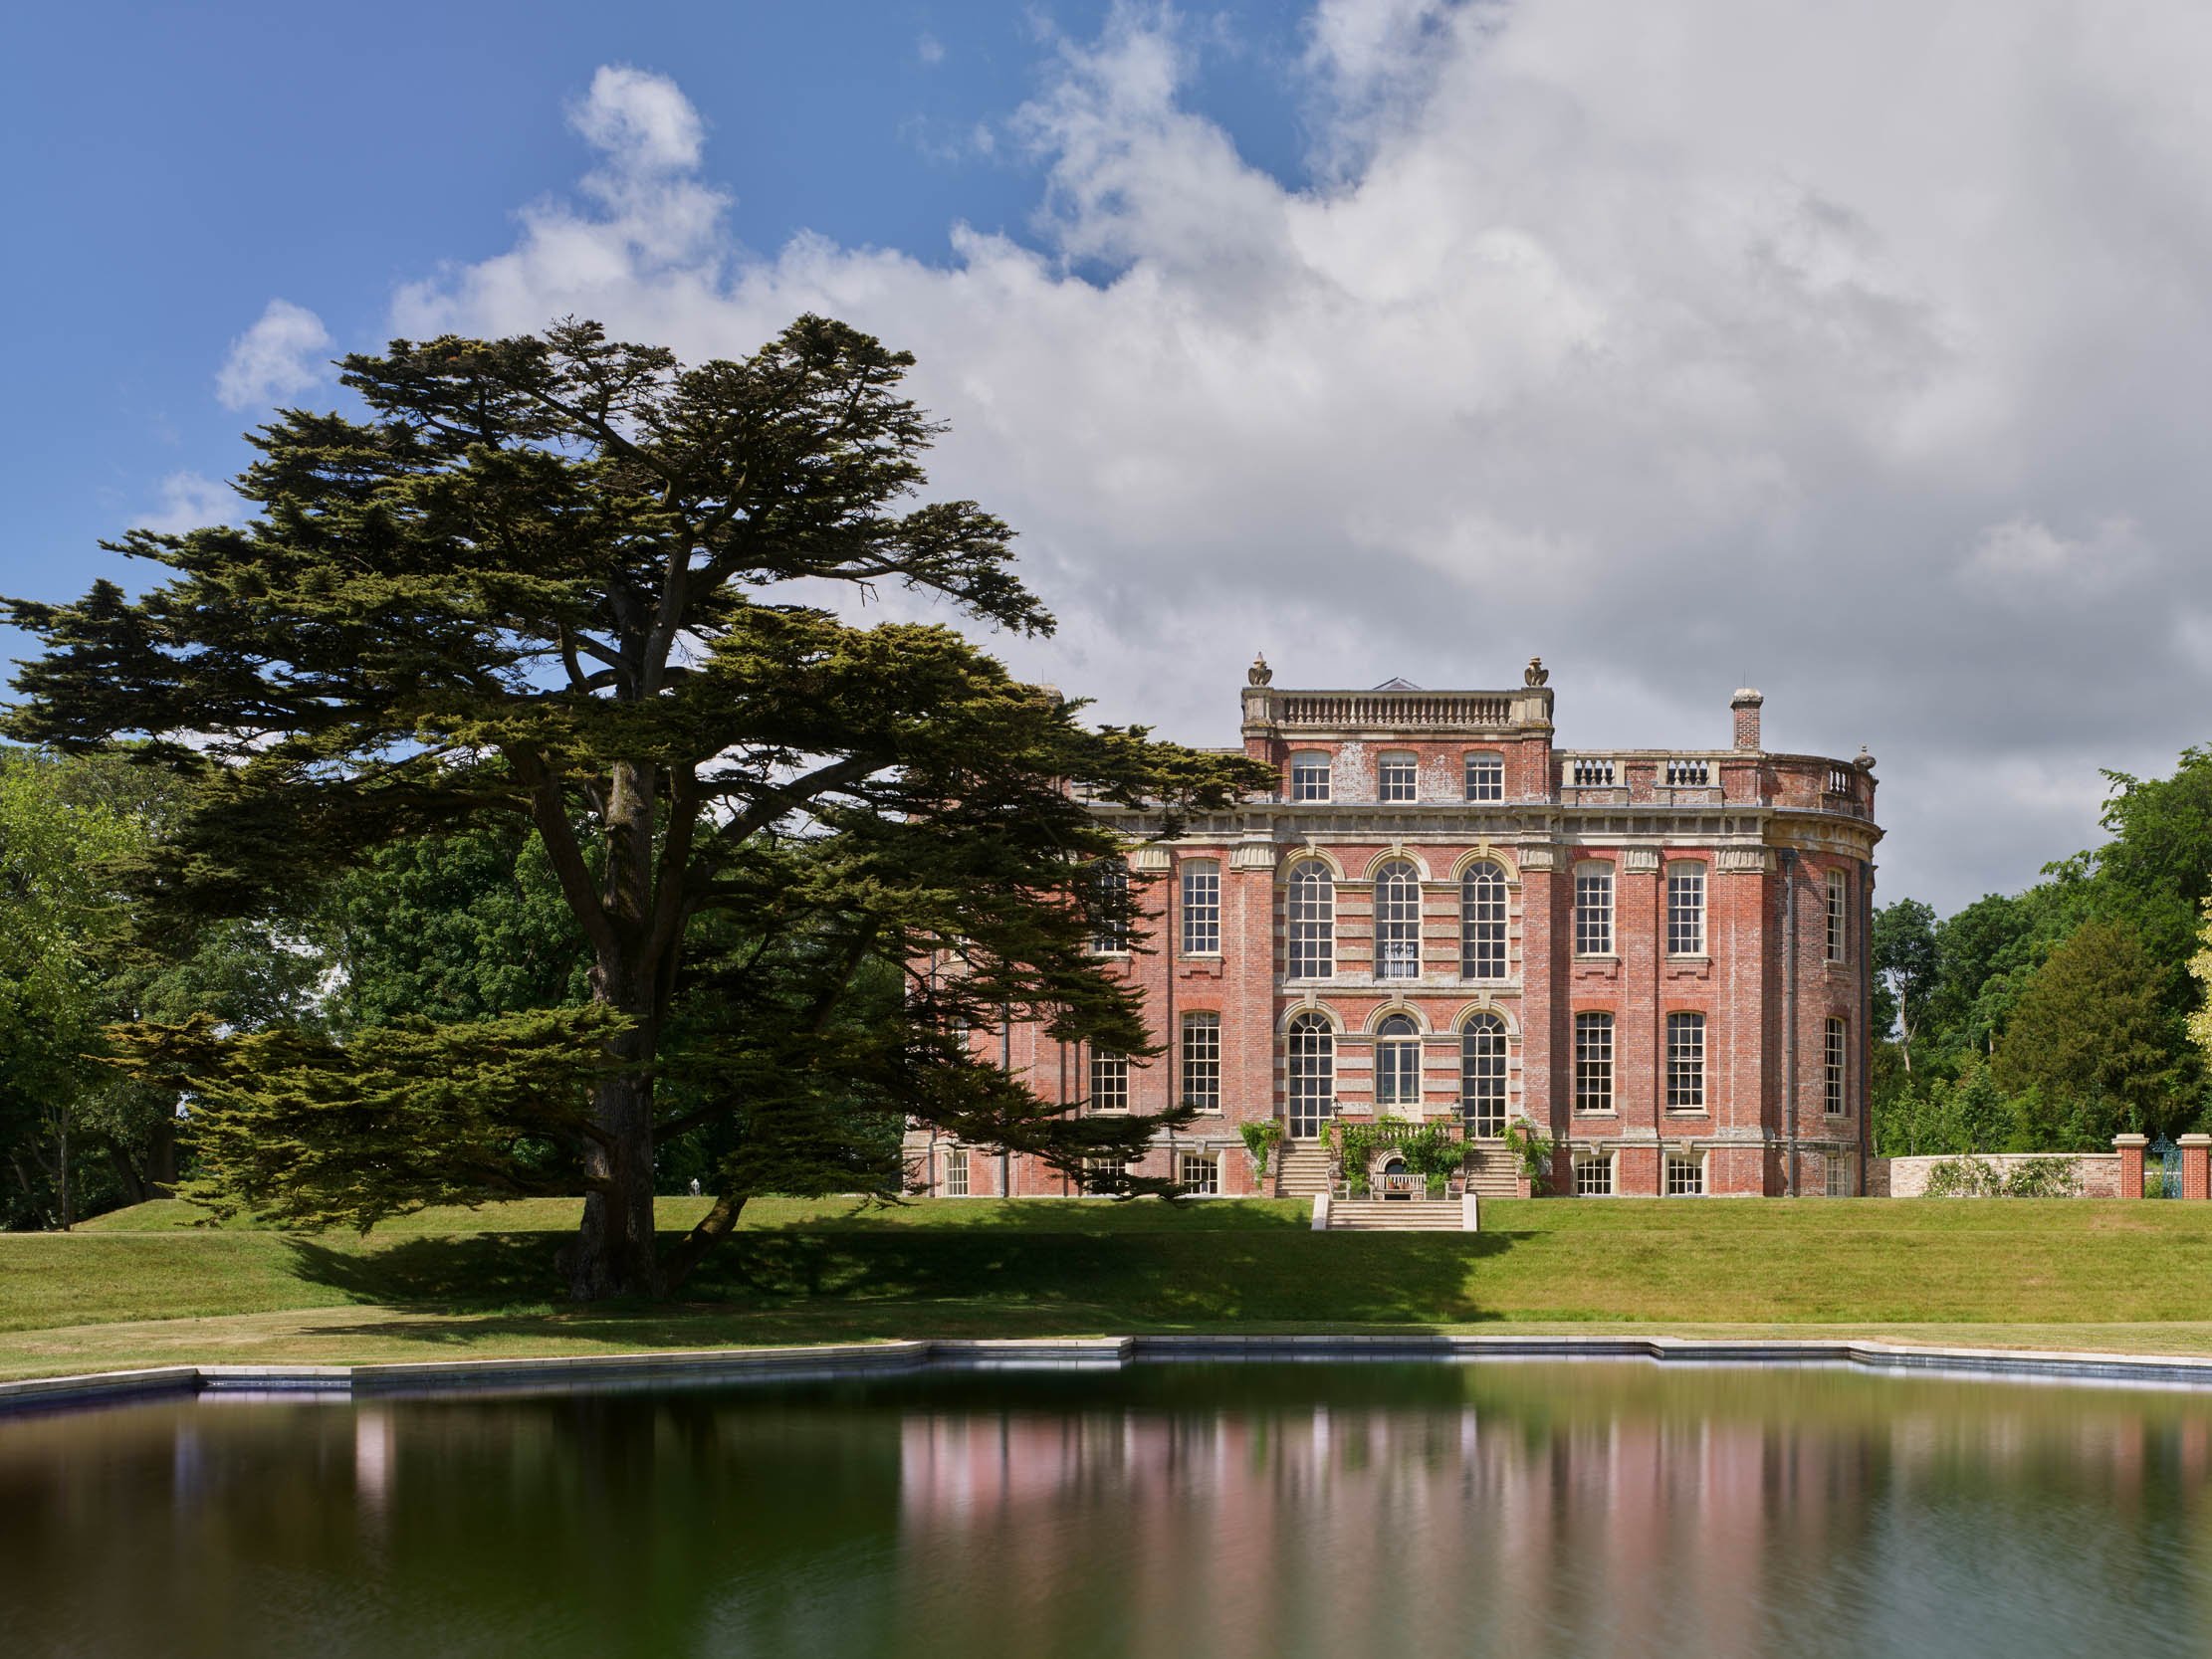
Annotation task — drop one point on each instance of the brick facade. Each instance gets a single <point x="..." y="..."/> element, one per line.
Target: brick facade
<point x="1781" y="846"/>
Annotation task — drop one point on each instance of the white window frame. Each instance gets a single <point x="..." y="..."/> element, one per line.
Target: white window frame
<point x="955" y="1172"/>
<point x="1687" y="889"/>
<point x="1594" y="1078"/>
<point x="1109" y="1078"/>
<point x="1592" y="921"/>
<point x="1397" y="932"/>
<point x="1312" y="775"/>
<point x="1593" y="1175"/>
<point x="1201" y="907"/>
<point x="1391" y="763"/>
<point x="1112" y="940"/>
<point x="1311" y="938"/>
<point x="1483" y="1076"/>
<point x="1684" y="1176"/>
<point x="1201" y="1062"/>
<point x="1482" y="917"/>
<point x="1839" y="915"/>
<point x="1199" y="1174"/>
<point x="1483" y="774"/>
<point x="1834" y="1067"/>
<point x="1310" y="1075"/>
<point x="1838" y="1181"/>
<point x="1685" y="1060"/>
<point x="1397" y="1063"/>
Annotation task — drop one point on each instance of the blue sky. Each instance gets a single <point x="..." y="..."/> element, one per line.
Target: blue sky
<point x="1857" y="350"/>
<point x="177" y="167"/>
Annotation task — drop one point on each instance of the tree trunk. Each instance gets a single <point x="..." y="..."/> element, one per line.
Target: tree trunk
<point x="612" y="1253"/>
<point x="161" y="1165"/>
<point x="713" y="1227"/>
<point x="134" y="1189"/>
<point x="613" y="1250"/>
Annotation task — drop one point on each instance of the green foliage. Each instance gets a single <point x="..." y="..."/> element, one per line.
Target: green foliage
<point x="1260" y="1140"/>
<point x="1972" y="1113"/>
<point x="539" y="598"/>
<point x="1962" y="1177"/>
<point x="2200" y="969"/>
<point x="1431" y="1151"/>
<point x="1532" y="1151"/>
<point x="2090" y="1032"/>
<point x="75" y="1139"/>
<point x="1973" y="1177"/>
<point x="2155" y="874"/>
<point x="2072" y="1075"/>
<point x="306" y="1132"/>
<point x="2050" y="1178"/>
<point x="461" y="926"/>
<point x="1906" y="957"/>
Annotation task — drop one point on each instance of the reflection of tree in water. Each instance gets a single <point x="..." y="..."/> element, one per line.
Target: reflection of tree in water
<point x="1282" y="1510"/>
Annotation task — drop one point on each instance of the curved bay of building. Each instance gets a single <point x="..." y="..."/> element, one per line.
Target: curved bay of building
<point x="1658" y="960"/>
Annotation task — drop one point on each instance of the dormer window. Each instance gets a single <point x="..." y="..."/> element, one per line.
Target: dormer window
<point x="1309" y="776"/>
<point x="1398" y="779"/>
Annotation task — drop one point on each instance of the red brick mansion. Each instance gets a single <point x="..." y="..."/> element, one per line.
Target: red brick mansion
<point x="1657" y="959"/>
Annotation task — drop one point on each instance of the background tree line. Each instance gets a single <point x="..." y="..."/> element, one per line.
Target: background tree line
<point x="2053" y="1019"/>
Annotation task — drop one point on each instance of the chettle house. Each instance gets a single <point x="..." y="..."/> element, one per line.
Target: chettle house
<point x="1657" y="959"/>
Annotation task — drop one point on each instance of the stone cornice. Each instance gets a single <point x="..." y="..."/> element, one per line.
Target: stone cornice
<point x="1455" y="823"/>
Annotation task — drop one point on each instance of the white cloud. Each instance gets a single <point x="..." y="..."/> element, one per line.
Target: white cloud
<point x="272" y="358"/>
<point x="930" y="49"/>
<point x="1677" y="342"/>
<point x="642" y="121"/>
<point x="190" y="502"/>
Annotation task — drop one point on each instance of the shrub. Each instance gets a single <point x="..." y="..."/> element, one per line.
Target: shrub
<point x="1973" y="1177"/>
<point x="1531" y="1151"/>
<point x="1963" y="1177"/>
<point x="2045" y="1178"/>
<point x="1261" y="1140"/>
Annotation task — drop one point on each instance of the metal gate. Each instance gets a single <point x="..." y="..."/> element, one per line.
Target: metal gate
<point x="2162" y="1165"/>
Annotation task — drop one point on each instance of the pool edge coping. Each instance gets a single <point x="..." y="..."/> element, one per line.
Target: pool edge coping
<point x="449" y="1377"/>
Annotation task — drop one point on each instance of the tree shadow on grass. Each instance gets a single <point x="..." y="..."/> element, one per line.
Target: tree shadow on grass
<point x="1058" y="1215"/>
<point x="469" y="1270"/>
<point x="1133" y="1278"/>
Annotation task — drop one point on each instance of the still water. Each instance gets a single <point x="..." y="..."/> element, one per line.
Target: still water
<point x="1351" y="1510"/>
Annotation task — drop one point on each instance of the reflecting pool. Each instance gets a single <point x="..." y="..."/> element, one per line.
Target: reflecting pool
<point x="1343" y="1510"/>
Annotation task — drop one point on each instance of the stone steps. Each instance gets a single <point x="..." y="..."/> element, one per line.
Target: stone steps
<point x="1301" y="1169"/>
<point x="1492" y="1172"/>
<point x="1395" y="1215"/>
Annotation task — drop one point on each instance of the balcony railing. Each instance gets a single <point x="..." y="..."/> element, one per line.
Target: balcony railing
<point x="1392" y="709"/>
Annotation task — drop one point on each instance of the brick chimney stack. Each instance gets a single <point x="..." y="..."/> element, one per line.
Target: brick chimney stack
<point x="1746" y="704"/>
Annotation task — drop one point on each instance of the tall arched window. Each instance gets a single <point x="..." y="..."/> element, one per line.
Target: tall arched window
<point x="1397" y="1064"/>
<point x="1483" y="1076"/>
<point x="1398" y="921"/>
<point x="1482" y="922"/>
<point x="1312" y="921"/>
<point x="1312" y="1074"/>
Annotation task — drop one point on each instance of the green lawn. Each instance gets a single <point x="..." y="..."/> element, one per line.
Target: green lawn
<point x="145" y="1284"/>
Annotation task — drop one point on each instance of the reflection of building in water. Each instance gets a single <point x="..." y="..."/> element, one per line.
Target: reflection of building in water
<point x="1570" y="1530"/>
<point x="1314" y="1532"/>
<point x="1323" y="1532"/>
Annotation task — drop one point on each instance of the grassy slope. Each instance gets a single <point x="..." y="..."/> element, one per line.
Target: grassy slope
<point x="821" y="1271"/>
